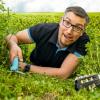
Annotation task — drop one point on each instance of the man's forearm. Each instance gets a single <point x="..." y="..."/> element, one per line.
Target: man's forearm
<point x="57" y="72"/>
<point x="45" y="70"/>
<point x="11" y="40"/>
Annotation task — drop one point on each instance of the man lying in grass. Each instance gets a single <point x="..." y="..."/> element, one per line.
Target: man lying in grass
<point x="58" y="45"/>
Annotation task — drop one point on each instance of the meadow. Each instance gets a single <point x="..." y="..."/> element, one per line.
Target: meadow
<point x="14" y="86"/>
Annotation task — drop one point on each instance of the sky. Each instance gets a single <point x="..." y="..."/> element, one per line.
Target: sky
<point x="51" y="5"/>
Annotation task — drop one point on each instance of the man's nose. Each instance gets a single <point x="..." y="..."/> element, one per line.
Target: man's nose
<point x="70" y="30"/>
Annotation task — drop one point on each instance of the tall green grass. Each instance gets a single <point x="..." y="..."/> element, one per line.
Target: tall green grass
<point x="14" y="86"/>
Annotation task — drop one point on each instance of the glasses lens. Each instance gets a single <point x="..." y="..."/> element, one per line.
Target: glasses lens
<point x="77" y="29"/>
<point x="67" y="23"/>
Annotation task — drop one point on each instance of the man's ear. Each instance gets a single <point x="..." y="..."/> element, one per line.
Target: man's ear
<point x="61" y="19"/>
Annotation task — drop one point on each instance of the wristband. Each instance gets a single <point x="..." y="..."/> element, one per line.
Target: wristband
<point x="27" y="68"/>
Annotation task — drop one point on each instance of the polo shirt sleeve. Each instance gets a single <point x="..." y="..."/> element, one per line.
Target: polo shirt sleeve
<point x="36" y="32"/>
<point x="80" y="49"/>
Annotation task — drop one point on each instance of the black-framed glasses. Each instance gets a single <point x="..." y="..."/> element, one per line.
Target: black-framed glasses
<point x="76" y="28"/>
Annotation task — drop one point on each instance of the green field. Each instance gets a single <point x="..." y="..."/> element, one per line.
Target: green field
<point x="14" y="86"/>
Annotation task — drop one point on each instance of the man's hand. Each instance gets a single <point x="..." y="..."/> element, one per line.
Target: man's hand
<point x="15" y="50"/>
<point x="22" y="65"/>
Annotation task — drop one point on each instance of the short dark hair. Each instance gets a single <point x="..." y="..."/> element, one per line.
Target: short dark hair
<point x="79" y="11"/>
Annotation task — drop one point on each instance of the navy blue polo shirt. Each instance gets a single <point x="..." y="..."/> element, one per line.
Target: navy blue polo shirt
<point x="47" y="52"/>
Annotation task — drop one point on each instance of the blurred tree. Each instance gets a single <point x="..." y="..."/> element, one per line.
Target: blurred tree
<point x="2" y="7"/>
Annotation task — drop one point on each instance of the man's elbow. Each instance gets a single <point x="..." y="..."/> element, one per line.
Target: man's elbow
<point x="7" y="38"/>
<point x="11" y="37"/>
<point x="63" y="75"/>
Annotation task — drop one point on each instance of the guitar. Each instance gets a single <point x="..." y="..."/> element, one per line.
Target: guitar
<point x="87" y="81"/>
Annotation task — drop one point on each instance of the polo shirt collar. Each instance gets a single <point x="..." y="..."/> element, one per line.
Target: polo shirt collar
<point x="54" y="39"/>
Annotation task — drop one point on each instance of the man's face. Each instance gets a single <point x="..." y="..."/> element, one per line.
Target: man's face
<point x="70" y="29"/>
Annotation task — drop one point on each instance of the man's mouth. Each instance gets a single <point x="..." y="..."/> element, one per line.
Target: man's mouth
<point x="70" y="38"/>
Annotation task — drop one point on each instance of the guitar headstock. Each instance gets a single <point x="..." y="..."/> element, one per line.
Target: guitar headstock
<point x="87" y="81"/>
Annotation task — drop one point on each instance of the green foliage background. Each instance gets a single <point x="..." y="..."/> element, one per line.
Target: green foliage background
<point x="14" y="86"/>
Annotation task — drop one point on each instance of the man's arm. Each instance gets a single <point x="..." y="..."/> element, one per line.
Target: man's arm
<point x="20" y="37"/>
<point x="66" y="69"/>
<point x="14" y="40"/>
